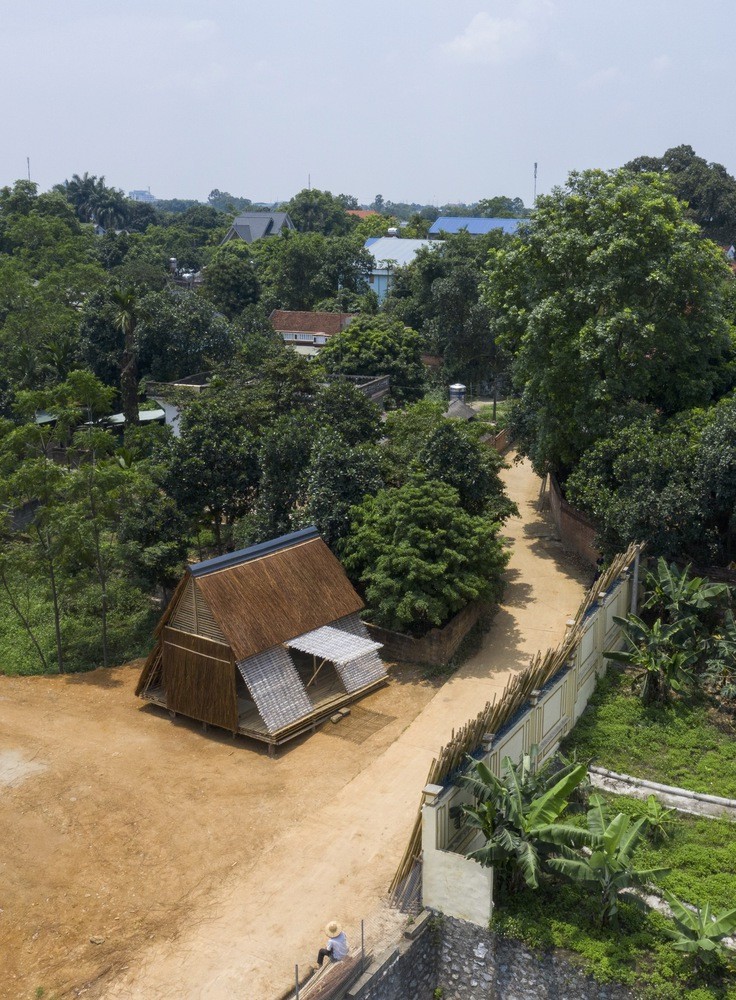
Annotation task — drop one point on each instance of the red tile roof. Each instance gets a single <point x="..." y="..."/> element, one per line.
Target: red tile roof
<point x="291" y="321"/>
<point x="361" y="213"/>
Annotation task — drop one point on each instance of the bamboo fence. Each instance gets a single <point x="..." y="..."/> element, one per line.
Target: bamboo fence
<point x="494" y="716"/>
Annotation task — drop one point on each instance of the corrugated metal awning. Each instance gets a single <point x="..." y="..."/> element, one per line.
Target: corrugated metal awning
<point x="334" y="644"/>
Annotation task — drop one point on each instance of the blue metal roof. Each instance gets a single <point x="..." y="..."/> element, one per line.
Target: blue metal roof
<point x="476" y="227"/>
<point x="253" y="552"/>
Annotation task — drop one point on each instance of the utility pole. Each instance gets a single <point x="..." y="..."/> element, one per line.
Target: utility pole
<point x="28" y="164"/>
<point x="535" y="184"/>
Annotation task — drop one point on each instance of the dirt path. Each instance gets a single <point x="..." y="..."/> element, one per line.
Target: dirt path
<point x="336" y="852"/>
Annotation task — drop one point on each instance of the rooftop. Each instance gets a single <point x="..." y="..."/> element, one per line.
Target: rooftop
<point x="475" y="226"/>
<point x="396" y="252"/>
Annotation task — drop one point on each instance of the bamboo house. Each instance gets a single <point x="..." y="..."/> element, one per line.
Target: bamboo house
<point x="266" y="642"/>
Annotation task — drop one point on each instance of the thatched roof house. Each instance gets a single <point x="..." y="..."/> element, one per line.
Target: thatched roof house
<point x="266" y="642"/>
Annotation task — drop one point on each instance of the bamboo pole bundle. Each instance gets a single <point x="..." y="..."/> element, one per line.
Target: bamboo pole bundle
<point x="495" y="714"/>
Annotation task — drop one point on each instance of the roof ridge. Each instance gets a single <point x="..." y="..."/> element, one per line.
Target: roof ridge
<point x="257" y="551"/>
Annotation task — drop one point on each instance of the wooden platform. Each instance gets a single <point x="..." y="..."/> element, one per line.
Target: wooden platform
<point x="326" y="694"/>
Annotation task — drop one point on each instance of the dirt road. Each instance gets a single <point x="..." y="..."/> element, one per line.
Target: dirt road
<point x="145" y="859"/>
<point x="338" y="855"/>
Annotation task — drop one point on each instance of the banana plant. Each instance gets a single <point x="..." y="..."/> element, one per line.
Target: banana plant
<point x="679" y="596"/>
<point x="661" y="656"/>
<point x="659" y="820"/>
<point x="607" y="865"/>
<point x="519" y="816"/>
<point x="700" y="932"/>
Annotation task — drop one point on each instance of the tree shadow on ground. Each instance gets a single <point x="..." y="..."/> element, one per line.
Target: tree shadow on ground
<point x="104" y="677"/>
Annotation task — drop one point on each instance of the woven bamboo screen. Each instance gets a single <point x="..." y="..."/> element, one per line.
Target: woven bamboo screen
<point x="199" y="679"/>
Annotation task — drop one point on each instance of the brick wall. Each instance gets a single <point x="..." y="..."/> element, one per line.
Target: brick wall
<point x="576" y="531"/>
<point x="436" y="647"/>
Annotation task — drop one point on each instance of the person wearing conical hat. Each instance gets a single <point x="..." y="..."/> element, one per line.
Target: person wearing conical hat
<point x="337" y="944"/>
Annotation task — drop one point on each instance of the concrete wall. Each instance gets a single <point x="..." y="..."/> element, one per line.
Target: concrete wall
<point x="576" y="531"/>
<point x="436" y="647"/>
<point x="451" y="882"/>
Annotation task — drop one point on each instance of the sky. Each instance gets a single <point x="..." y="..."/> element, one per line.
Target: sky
<point x="419" y="100"/>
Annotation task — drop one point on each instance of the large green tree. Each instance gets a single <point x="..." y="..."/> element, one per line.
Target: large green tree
<point x="378" y="345"/>
<point x="708" y="189"/>
<point x="420" y="557"/>
<point x="611" y="302"/>
<point x="230" y="281"/>
<point x="314" y="211"/>
<point x="439" y="294"/>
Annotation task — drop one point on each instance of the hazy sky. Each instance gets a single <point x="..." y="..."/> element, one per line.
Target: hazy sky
<point x="420" y="100"/>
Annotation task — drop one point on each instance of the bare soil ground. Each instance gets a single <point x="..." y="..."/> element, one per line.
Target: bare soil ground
<point x="119" y="825"/>
<point x="147" y="860"/>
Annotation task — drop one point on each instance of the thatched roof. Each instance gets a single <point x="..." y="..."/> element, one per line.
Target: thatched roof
<point x="267" y="594"/>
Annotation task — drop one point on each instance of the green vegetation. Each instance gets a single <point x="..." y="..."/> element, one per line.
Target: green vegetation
<point x="636" y="952"/>
<point x="420" y="557"/>
<point x="683" y="744"/>
<point x="641" y="950"/>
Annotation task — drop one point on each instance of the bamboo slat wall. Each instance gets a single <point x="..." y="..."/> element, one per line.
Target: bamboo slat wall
<point x="199" y="679"/>
<point x="496" y="713"/>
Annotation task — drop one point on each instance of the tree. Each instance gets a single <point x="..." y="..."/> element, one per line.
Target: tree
<point x="439" y="294"/>
<point x="181" y="335"/>
<point x="420" y="557"/>
<point x="230" y="281"/>
<point x="452" y="455"/>
<point x="283" y="458"/>
<point x="314" y="211"/>
<point x="223" y="201"/>
<point x="378" y="345"/>
<point x="343" y="407"/>
<point x="609" y="865"/>
<point x="212" y="472"/>
<point x="339" y="476"/>
<point x="297" y="270"/>
<point x="636" y="482"/>
<point x="519" y="816"/>
<point x="613" y="292"/>
<point x="707" y="188"/>
<point x="128" y="315"/>
<point x="502" y="207"/>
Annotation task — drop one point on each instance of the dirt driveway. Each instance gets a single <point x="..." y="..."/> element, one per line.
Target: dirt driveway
<point x="144" y="859"/>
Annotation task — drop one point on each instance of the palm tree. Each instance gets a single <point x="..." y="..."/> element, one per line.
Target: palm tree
<point x="519" y="816"/>
<point x="80" y="191"/>
<point x="608" y="864"/>
<point x="127" y="318"/>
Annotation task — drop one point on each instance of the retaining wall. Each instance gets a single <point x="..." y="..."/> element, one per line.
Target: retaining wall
<point x="577" y="532"/>
<point x="467" y="962"/>
<point x="436" y="647"/>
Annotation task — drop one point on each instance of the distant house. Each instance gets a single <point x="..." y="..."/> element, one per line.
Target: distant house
<point x="266" y="642"/>
<point x="253" y="226"/>
<point x="307" y="332"/>
<point x="389" y="252"/>
<point x="450" y="224"/>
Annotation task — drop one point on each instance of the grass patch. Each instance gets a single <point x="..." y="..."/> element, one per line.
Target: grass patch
<point x="635" y="952"/>
<point x="678" y="744"/>
<point x="700" y="853"/>
<point x="131" y="617"/>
